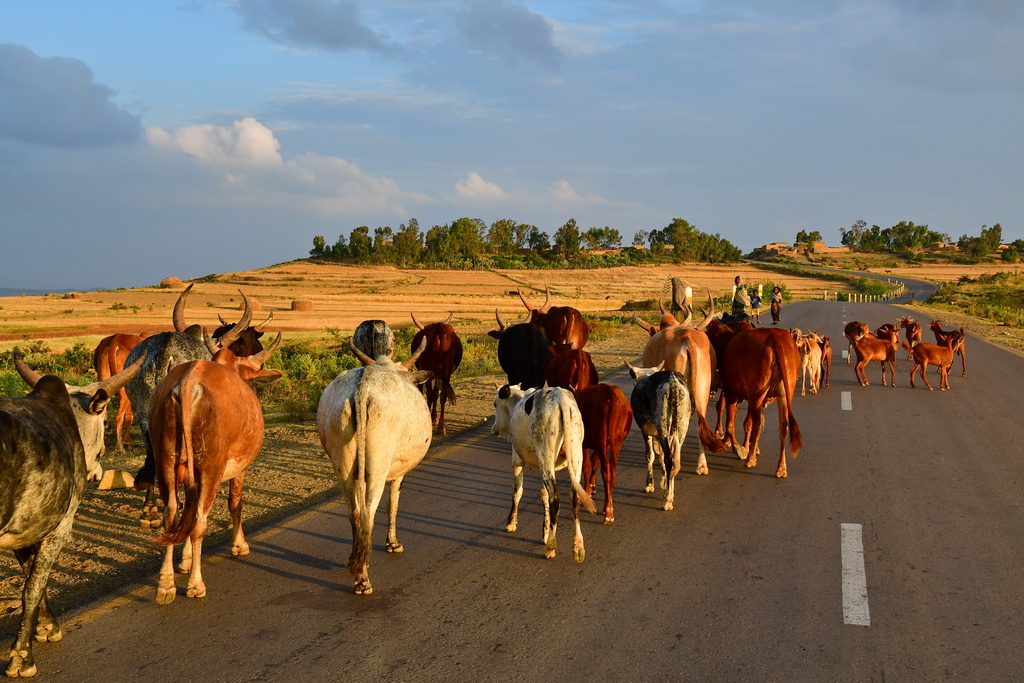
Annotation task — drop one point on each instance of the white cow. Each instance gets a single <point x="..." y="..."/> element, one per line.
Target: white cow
<point x="375" y="426"/>
<point x="546" y="431"/>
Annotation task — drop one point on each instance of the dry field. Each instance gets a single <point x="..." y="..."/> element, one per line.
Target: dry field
<point x="110" y="548"/>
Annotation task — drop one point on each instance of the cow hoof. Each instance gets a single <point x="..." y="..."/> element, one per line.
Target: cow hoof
<point x="395" y="547"/>
<point x="240" y="549"/>
<point x="781" y="473"/>
<point x="21" y="665"/>
<point x="609" y="520"/>
<point x="49" y="633"/>
<point x="649" y="488"/>
<point x="740" y="451"/>
<point x="579" y="554"/>
<point x="549" y="554"/>
<point x="667" y="506"/>
<point x="510" y="528"/>
<point x="702" y="469"/>
<point x="165" y="596"/>
<point x="363" y="587"/>
<point x="196" y="591"/>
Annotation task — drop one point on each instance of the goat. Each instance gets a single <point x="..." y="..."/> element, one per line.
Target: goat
<point x="913" y="329"/>
<point x="869" y="348"/>
<point x="931" y="354"/>
<point x="958" y="338"/>
<point x="852" y="331"/>
<point x="810" y="359"/>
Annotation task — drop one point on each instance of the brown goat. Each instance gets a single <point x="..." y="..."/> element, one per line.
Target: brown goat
<point x="931" y="354"/>
<point x="852" y="331"/>
<point x="913" y="329"/>
<point x="958" y="338"/>
<point x="869" y="348"/>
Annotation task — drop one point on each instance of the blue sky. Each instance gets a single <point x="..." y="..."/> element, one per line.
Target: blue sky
<point x="140" y="140"/>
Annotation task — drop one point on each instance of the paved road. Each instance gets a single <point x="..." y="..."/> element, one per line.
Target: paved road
<point x="744" y="580"/>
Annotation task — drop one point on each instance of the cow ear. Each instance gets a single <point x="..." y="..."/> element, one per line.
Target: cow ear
<point x="494" y="333"/>
<point x="418" y="377"/>
<point x="266" y="376"/>
<point x="528" y="406"/>
<point x="98" y="402"/>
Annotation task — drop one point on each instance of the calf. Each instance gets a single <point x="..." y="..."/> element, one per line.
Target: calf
<point x="442" y="356"/>
<point x="662" y="408"/>
<point x="546" y="431"/>
<point x="607" y="417"/>
<point x="958" y="338"/>
<point x="869" y="348"/>
<point x="931" y="354"/>
<point x="374" y="425"/>
<point x="810" y="360"/>
<point x="207" y="427"/>
<point x="50" y="444"/>
<point x="852" y="331"/>
<point x="570" y="368"/>
<point x="108" y="360"/>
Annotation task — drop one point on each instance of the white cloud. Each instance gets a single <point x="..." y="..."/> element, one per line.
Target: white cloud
<point x="563" y="191"/>
<point x="475" y="188"/>
<point x="246" y="144"/>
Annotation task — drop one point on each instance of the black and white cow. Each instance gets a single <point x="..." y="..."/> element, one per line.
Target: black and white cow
<point x="546" y="431"/>
<point x="164" y="351"/>
<point x="662" y="409"/>
<point x="374" y="338"/>
<point x="50" y="444"/>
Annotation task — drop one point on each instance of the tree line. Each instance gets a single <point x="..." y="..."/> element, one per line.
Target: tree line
<point x="470" y="243"/>
<point x="907" y="238"/>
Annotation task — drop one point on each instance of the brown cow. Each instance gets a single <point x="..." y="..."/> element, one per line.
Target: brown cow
<point x="958" y="338"/>
<point x="108" y="359"/>
<point x="570" y="368"/>
<point x="607" y="417"/>
<point x="688" y="351"/>
<point x="853" y="331"/>
<point x="869" y="347"/>
<point x="561" y="324"/>
<point x="761" y="363"/>
<point x="206" y="426"/>
<point x="442" y="357"/>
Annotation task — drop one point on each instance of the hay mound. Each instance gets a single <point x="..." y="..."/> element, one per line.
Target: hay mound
<point x="253" y="304"/>
<point x="73" y="295"/>
<point x="171" y="283"/>
<point x="302" y="305"/>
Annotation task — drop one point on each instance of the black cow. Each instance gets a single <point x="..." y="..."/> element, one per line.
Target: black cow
<point x="50" y="443"/>
<point x="374" y="338"/>
<point x="523" y="352"/>
<point x="164" y="351"/>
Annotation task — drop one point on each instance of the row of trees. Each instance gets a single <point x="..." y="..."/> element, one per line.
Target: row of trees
<point x="466" y="242"/>
<point x="905" y="237"/>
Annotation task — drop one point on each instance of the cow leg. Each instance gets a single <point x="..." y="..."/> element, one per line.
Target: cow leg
<point x="393" y="545"/>
<point x="579" y="553"/>
<point x="196" y="588"/>
<point x="674" y="451"/>
<point x="608" y="475"/>
<point x="549" y="496"/>
<point x="238" y="544"/>
<point x="144" y="478"/>
<point x="517" y="495"/>
<point x="589" y="473"/>
<point x="720" y="406"/>
<point x="165" y="589"/>
<point x="649" y="443"/>
<point x="46" y="626"/>
<point x="748" y="427"/>
<point x="783" y="406"/>
<point x="440" y="419"/>
<point x="730" y="431"/>
<point x="185" y="567"/>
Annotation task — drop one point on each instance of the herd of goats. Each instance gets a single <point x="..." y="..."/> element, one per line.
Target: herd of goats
<point x="202" y="423"/>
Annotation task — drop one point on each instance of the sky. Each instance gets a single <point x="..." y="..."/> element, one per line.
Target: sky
<point x="141" y="140"/>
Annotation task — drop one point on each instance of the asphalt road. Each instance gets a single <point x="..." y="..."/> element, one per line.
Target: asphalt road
<point x="749" y="578"/>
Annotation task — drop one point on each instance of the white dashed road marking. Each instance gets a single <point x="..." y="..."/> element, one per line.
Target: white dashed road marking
<point x="846" y="400"/>
<point x="855" y="584"/>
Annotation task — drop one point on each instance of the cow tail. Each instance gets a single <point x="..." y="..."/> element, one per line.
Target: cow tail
<point x="448" y="390"/>
<point x="185" y="470"/>
<point x="574" y="474"/>
<point x="363" y="526"/>
<point x="704" y="430"/>
<point x="796" y="439"/>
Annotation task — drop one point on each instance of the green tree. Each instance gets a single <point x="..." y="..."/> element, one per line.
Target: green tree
<point x="568" y="241"/>
<point x="319" y="249"/>
<point x="501" y="238"/>
<point x="640" y="238"/>
<point x="408" y="243"/>
<point x="360" y="246"/>
<point x="340" y="249"/>
<point x="538" y="240"/>
<point x="383" y="244"/>
<point x="467" y="237"/>
<point x="851" y="237"/>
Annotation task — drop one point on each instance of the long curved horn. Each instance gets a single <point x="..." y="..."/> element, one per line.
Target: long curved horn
<point x="708" y="317"/>
<point x="222" y="320"/>
<point x="229" y="337"/>
<point x="211" y="344"/>
<point x="261" y="357"/>
<point x="409" y="362"/>
<point x="689" y="317"/>
<point x="28" y="374"/>
<point x="179" y="310"/>
<point x="547" y="300"/>
<point x="363" y="358"/>
<point x="523" y="298"/>
<point x="260" y="326"/>
<point x="113" y="384"/>
<point x="448" y="320"/>
<point x="501" y="325"/>
<point x="662" y="307"/>
<point x="644" y="324"/>
<point x="415" y="321"/>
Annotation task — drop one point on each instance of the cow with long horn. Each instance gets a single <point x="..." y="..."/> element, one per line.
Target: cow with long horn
<point x="442" y="356"/>
<point x="523" y="352"/>
<point x="561" y="324"/>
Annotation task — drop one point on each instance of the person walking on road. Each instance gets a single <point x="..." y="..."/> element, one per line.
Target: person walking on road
<point x="740" y="298"/>
<point x="776" y="304"/>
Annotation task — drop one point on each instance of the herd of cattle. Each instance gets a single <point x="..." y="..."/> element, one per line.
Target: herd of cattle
<point x="202" y="424"/>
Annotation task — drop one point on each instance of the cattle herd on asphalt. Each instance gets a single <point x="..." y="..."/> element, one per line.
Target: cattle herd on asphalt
<point x="201" y="423"/>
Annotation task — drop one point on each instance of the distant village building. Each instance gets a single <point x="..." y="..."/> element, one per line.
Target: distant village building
<point x="801" y="249"/>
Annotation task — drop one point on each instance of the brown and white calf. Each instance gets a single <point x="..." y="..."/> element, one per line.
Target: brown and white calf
<point x="869" y="348"/>
<point x="207" y="427"/>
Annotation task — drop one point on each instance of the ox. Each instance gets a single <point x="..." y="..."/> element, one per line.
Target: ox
<point x="561" y="324"/>
<point x="958" y="338"/>
<point x="523" y="352"/>
<point x="206" y="425"/>
<point x="570" y="368"/>
<point x="760" y="365"/>
<point x="688" y="351"/>
<point x="662" y="408"/>
<point x="607" y="417"/>
<point x="913" y="329"/>
<point x="809" y="347"/>
<point x="931" y="354"/>
<point x="854" y="330"/>
<point x="546" y="431"/>
<point x="50" y="444"/>
<point x="374" y="339"/>
<point x="164" y="351"/>
<point x="248" y="341"/>
<point x="442" y="357"/>
<point x="883" y="349"/>
<point x="826" y="357"/>
<point x="108" y="359"/>
<point x="375" y="427"/>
